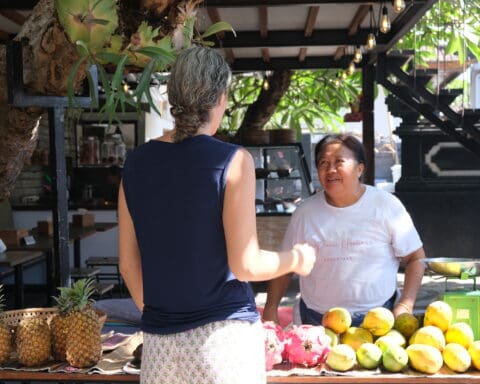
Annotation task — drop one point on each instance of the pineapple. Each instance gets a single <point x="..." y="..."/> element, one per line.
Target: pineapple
<point x="33" y="341"/>
<point x="60" y="323"/>
<point x="83" y="342"/>
<point x="5" y="334"/>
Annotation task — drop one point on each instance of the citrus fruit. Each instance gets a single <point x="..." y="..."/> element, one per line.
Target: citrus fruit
<point x="337" y="319"/>
<point x="395" y="358"/>
<point x="341" y="358"/>
<point x="369" y="355"/>
<point x="406" y="324"/>
<point x="333" y="337"/>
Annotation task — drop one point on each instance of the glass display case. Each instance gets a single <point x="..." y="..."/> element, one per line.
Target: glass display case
<point x="282" y="178"/>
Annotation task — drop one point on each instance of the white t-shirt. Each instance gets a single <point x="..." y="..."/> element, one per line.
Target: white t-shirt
<point x="358" y="249"/>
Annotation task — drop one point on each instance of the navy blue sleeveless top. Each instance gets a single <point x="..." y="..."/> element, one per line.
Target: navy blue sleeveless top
<point x="174" y="193"/>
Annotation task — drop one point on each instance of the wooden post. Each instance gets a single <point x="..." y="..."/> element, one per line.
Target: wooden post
<point x="368" y="128"/>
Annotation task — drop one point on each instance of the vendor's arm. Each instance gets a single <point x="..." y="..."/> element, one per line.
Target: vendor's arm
<point x="245" y="259"/>
<point x="275" y="291"/>
<point x="129" y="253"/>
<point x="414" y="269"/>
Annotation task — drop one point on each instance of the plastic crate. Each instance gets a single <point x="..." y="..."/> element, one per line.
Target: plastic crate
<point x="465" y="308"/>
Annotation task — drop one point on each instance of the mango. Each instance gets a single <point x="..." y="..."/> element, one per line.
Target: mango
<point x="429" y="335"/>
<point x="341" y="358"/>
<point x="385" y="341"/>
<point x="456" y="357"/>
<point x="460" y="333"/>
<point x="395" y="358"/>
<point x="378" y="321"/>
<point x="369" y="356"/>
<point x="439" y="314"/>
<point x="337" y="319"/>
<point x="397" y="336"/>
<point x="424" y="358"/>
<point x="474" y="352"/>
<point x="354" y="337"/>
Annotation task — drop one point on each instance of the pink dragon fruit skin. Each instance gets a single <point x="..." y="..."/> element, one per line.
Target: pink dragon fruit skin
<point x="307" y="345"/>
<point x="274" y="346"/>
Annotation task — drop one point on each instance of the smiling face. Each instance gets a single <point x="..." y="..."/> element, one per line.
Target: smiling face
<point x="339" y="173"/>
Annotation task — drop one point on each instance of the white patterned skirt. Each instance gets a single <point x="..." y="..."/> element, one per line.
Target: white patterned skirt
<point x="222" y="352"/>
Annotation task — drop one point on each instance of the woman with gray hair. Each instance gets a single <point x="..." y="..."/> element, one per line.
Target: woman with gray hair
<point x="188" y="242"/>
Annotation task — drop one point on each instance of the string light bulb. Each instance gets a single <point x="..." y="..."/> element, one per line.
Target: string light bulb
<point x="398" y="5"/>
<point x="343" y="75"/>
<point x="351" y="68"/>
<point x="266" y="84"/>
<point x="337" y="80"/>
<point x="371" y="41"/>
<point x="357" y="55"/>
<point x="384" y="20"/>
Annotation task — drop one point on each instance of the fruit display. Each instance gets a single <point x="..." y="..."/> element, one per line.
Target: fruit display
<point x="69" y="333"/>
<point x="6" y="346"/>
<point x="383" y="342"/>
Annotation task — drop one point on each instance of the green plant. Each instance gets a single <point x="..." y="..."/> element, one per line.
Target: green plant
<point x="313" y="101"/>
<point x="93" y="26"/>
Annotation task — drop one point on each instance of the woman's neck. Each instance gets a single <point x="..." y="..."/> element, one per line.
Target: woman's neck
<point x="347" y="200"/>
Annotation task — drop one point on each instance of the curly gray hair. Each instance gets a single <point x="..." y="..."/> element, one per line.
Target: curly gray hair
<point x="198" y="78"/>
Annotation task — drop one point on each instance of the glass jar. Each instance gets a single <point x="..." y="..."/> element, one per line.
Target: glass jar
<point x="90" y="151"/>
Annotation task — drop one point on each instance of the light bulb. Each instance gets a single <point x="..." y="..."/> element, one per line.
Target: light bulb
<point x="371" y="42"/>
<point x="384" y="21"/>
<point x="351" y="68"/>
<point x="266" y="85"/>
<point x="398" y="5"/>
<point x="337" y="82"/>
<point x="343" y="75"/>
<point x="357" y="56"/>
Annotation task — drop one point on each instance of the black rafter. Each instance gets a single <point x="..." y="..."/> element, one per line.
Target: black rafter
<point x="319" y="37"/>
<point x="274" y="3"/>
<point x="276" y="63"/>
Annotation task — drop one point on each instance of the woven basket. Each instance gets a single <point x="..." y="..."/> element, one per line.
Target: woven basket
<point x="13" y="318"/>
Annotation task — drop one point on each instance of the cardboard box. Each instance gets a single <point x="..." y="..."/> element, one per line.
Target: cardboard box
<point x="45" y="227"/>
<point x="13" y="236"/>
<point x="84" y="220"/>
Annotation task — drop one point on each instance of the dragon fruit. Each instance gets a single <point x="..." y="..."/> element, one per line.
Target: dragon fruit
<point x="307" y="345"/>
<point x="274" y="344"/>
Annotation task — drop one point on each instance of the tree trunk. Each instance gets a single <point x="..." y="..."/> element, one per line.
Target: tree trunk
<point x="260" y="112"/>
<point x="47" y="59"/>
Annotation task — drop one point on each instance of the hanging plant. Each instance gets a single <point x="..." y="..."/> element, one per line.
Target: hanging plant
<point x="93" y="26"/>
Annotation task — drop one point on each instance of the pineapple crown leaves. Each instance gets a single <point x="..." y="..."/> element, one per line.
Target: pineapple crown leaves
<point x="2" y="299"/>
<point x="75" y="298"/>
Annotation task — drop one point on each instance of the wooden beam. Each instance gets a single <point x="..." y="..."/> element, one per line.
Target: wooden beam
<point x="323" y="37"/>
<point x="309" y="27"/>
<point x="265" y="55"/>
<point x="311" y="19"/>
<point x="362" y="12"/>
<point x="25" y="5"/>
<point x="310" y="62"/>
<point x="4" y="35"/>
<point x="263" y="21"/>
<point x="215" y="18"/>
<point x="340" y="52"/>
<point x="13" y="16"/>
<point x="274" y="3"/>
<point x="302" y="54"/>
